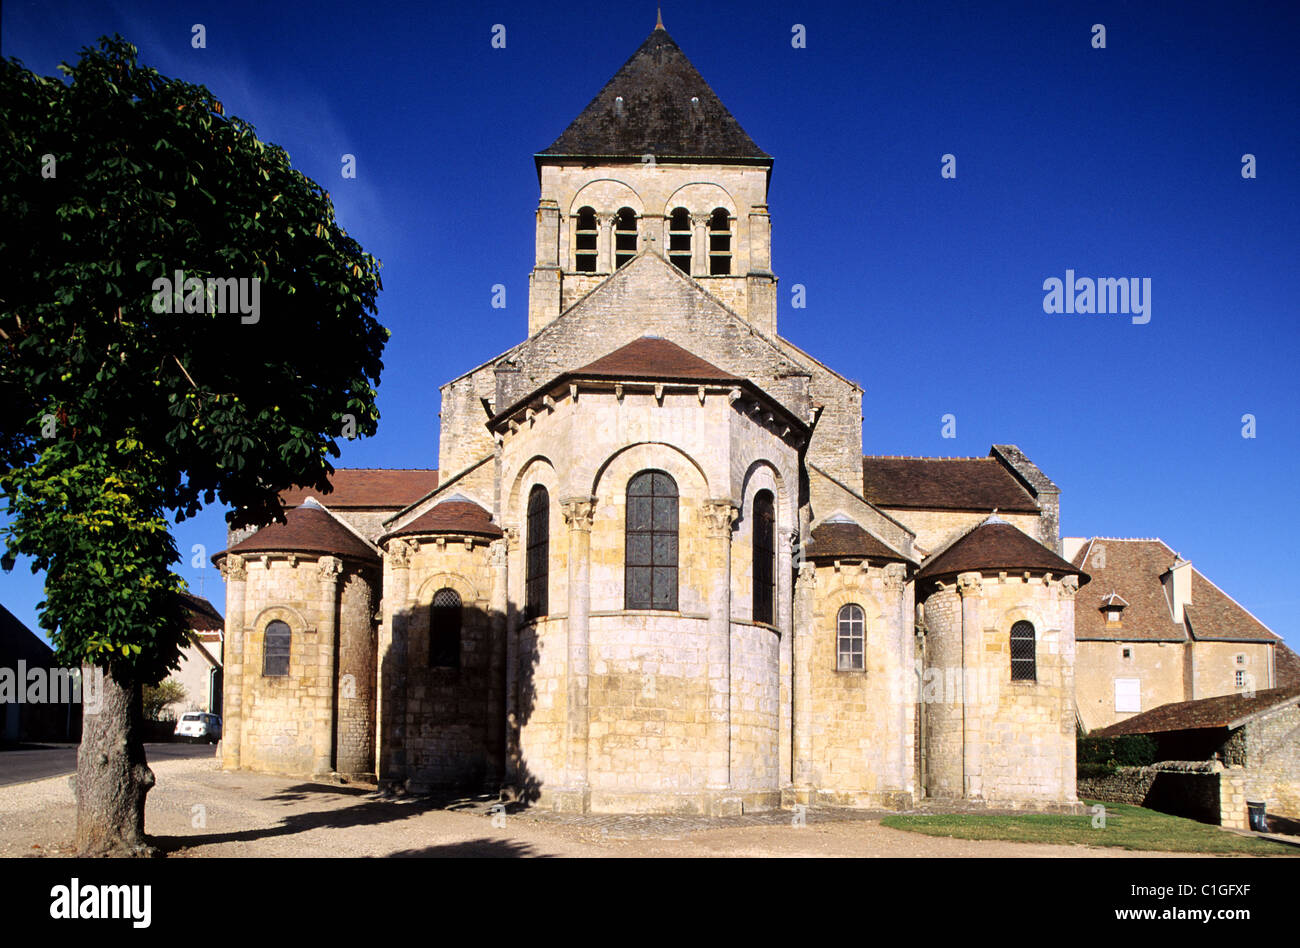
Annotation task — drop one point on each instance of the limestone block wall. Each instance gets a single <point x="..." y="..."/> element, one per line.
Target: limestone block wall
<point x="1016" y="738"/>
<point x="286" y="723"/>
<point x="756" y="710"/>
<point x="1158" y="665"/>
<point x="862" y="722"/>
<point x="357" y="676"/>
<point x="449" y="736"/>
<point x="1272" y="770"/>
<point x="1216" y="666"/>
<point x="541" y="700"/>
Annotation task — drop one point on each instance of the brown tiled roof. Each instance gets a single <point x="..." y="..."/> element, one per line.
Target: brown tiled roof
<point x="203" y="614"/>
<point x="668" y="111"/>
<point x="944" y="484"/>
<point x="1133" y="569"/>
<point x="461" y="517"/>
<point x="1221" y="712"/>
<point x="651" y="357"/>
<point x="368" y="487"/>
<point x="1286" y="666"/>
<point x="19" y="642"/>
<point x="307" y="529"/>
<point x="996" y="545"/>
<point x="842" y="539"/>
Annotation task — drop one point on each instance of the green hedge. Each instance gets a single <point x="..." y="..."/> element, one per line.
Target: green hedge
<point x="1103" y="754"/>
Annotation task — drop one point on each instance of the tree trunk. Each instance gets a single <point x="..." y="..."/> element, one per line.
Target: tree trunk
<point x="112" y="775"/>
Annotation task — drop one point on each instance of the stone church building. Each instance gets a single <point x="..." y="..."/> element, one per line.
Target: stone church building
<point x="653" y="570"/>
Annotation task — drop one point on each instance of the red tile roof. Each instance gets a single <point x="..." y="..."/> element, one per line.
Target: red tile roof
<point x="461" y="517"/>
<point x="1286" y="666"/>
<point x="1221" y="712"/>
<point x="982" y="484"/>
<point x="368" y="487"/>
<point x="842" y="539"/>
<point x="651" y="357"/>
<point x="307" y="529"/>
<point x="1133" y="569"/>
<point x="997" y="545"/>
<point x="203" y="615"/>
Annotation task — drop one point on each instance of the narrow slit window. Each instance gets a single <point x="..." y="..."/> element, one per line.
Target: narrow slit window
<point x="275" y="649"/>
<point x="538" y="553"/>
<point x="764" y="557"/>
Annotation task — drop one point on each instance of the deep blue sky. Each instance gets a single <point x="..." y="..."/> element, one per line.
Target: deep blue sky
<point x="1122" y="162"/>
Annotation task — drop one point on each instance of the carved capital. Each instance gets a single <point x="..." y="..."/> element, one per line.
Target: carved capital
<point x="807" y="575"/>
<point x="969" y="584"/>
<point x="398" y="553"/>
<point x="720" y="517"/>
<point x="895" y="575"/>
<point x="511" y="537"/>
<point x="579" y="512"/>
<point x="330" y="568"/>
<point x="497" y="550"/>
<point x="1069" y="586"/>
<point x="234" y="568"/>
<point x="701" y="220"/>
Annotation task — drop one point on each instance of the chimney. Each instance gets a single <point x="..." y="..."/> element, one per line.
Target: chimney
<point x="1178" y="586"/>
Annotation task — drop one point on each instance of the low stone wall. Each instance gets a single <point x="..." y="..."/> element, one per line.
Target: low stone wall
<point x="1181" y="788"/>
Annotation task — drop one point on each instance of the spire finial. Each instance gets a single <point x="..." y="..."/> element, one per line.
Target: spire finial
<point x="659" y="23"/>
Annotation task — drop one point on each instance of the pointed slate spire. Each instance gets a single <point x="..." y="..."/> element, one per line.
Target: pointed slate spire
<point x="657" y="104"/>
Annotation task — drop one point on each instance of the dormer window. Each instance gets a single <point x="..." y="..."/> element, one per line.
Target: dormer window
<point x="720" y="243"/>
<point x="585" y="236"/>
<point x="1112" y="607"/>
<point x="624" y="236"/>
<point x="679" y="239"/>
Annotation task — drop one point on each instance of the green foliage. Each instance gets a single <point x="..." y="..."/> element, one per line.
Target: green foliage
<point x="1103" y="754"/>
<point x="117" y="416"/>
<point x="158" y="697"/>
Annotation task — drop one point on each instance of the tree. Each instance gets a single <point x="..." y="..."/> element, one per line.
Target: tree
<point x="156" y="698"/>
<point x="182" y="320"/>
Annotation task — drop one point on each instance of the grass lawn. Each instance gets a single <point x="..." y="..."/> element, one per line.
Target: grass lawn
<point x="1128" y="827"/>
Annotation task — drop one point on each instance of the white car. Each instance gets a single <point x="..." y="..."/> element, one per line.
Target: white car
<point x="199" y="726"/>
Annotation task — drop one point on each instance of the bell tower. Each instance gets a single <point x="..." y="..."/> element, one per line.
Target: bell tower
<point x="654" y="164"/>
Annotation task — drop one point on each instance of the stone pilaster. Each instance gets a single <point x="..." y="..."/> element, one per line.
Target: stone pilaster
<point x="512" y="551"/>
<point x="235" y="571"/>
<point x="605" y="244"/>
<point x="329" y="569"/>
<point x="900" y="683"/>
<point x="719" y="521"/>
<point x="970" y="587"/>
<point x="390" y="719"/>
<point x="498" y="604"/>
<point x="1069" y="762"/>
<point x="787" y="540"/>
<point x="578" y="515"/>
<point x="804" y="631"/>
<point x="699" y="245"/>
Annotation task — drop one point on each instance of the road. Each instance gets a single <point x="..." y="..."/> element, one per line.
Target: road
<point x="37" y="761"/>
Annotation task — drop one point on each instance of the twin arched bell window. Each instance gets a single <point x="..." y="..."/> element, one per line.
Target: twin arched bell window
<point x="586" y="239"/>
<point x="719" y="241"/>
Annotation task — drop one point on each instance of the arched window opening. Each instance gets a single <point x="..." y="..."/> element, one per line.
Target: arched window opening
<point x="624" y="236"/>
<point x="537" y="553"/>
<point x="851" y="636"/>
<point x="650" y="557"/>
<point x="444" y="629"/>
<point x="720" y="243"/>
<point x="1023" y="663"/>
<point x="764" y="557"/>
<point x="585" y="236"/>
<point x="275" y="649"/>
<point x="679" y="239"/>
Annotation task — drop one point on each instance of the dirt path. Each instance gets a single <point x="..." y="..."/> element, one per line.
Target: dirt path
<point x="197" y="810"/>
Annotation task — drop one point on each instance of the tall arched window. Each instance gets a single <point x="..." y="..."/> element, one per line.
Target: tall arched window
<point x="720" y="242"/>
<point x="275" y="649"/>
<point x="851" y="638"/>
<point x="585" y="235"/>
<point x="679" y="239"/>
<point x="537" y="553"/>
<point x="624" y="236"/>
<point x="764" y="556"/>
<point x="1023" y="664"/>
<point x="444" y="629"/>
<point x="650" y="555"/>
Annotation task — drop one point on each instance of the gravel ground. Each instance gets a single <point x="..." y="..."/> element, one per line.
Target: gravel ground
<point x="198" y="810"/>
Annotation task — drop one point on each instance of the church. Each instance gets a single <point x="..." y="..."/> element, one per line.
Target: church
<point x="653" y="570"/>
